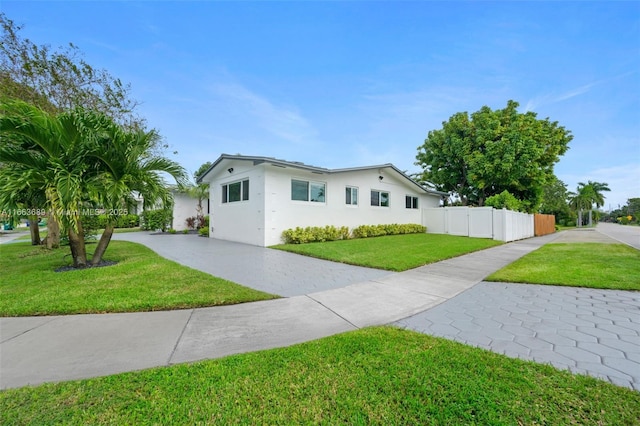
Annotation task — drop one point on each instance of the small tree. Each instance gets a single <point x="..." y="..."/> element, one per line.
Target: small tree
<point x="504" y="200"/>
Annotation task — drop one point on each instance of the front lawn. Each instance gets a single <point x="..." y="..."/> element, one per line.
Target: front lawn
<point x="594" y="265"/>
<point x="393" y="252"/>
<point x="380" y="375"/>
<point x="141" y="281"/>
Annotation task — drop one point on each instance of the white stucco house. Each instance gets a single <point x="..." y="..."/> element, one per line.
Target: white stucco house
<point x="254" y="199"/>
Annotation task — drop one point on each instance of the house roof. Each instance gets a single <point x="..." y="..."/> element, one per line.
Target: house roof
<point x="298" y="165"/>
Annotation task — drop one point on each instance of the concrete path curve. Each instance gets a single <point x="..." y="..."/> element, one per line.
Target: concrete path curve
<point x="48" y="349"/>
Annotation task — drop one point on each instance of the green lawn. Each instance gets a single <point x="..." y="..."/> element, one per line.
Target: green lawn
<point x="380" y="375"/>
<point x="594" y="265"/>
<point x="393" y="253"/>
<point x="141" y="281"/>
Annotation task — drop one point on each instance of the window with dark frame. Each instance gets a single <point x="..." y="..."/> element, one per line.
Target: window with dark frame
<point x="379" y="198"/>
<point x="411" y="202"/>
<point x="351" y="196"/>
<point x="236" y="191"/>
<point x="302" y="190"/>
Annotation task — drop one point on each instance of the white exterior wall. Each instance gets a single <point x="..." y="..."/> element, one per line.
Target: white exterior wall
<point x="241" y="221"/>
<point x="183" y="207"/>
<point x="270" y="210"/>
<point x="283" y="213"/>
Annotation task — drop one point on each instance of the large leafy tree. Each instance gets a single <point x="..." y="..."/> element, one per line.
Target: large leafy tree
<point x="79" y="159"/>
<point x="483" y="154"/>
<point x="59" y="80"/>
<point x="555" y="201"/>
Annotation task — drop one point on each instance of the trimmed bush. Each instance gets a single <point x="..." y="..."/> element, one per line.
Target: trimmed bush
<point x="312" y="234"/>
<point x="366" y="231"/>
<point x="156" y="219"/>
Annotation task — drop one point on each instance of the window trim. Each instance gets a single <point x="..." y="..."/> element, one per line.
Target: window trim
<point x="349" y="198"/>
<point x="380" y="192"/>
<point x="411" y="202"/>
<point x="244" y="191"/>
<point x="310" y="184"/>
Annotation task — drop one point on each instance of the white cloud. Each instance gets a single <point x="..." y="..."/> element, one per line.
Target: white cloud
<point x="552" y="98"/>
<point x="282" y="121"/>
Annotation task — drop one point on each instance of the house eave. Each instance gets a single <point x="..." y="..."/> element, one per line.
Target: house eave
<point x="258" y="160"/>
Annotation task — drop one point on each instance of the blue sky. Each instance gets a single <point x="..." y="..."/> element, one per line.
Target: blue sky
<point x="341" y="84"/>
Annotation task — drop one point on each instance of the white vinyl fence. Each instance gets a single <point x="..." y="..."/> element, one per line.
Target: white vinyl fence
<point x="479" y="222"/>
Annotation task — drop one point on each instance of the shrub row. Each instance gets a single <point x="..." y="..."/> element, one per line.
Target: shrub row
<point x="365" y="231"/>
<point x="312" y="234"/>
<point x="120" y="221"/>
<point x="153" y="220"/>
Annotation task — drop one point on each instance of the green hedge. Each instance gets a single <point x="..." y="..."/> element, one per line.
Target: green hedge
<point x="156" y="219"/>
<point x="204" y="230"/>
<point x="366" y="231"/>
<point x="120" y="221"/>
<point x="312" y="234"/>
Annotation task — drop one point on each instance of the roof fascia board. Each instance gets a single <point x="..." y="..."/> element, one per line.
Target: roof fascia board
<point x="257" y="160"/>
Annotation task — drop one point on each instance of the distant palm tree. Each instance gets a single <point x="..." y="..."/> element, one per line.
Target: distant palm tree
<point x="586" y="196"/>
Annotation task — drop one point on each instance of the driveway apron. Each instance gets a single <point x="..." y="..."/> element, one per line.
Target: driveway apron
<point x="272" y="271"/>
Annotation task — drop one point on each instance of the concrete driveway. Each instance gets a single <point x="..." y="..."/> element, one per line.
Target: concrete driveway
<point x="268" y="270"/>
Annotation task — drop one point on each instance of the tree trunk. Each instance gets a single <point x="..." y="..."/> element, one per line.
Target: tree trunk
<point x="102" y="244"/>
<point x="34" y="229"/>
<point x="78" y="249"/>
<point x="590" y="217"/>
<point x="53" y="233"/>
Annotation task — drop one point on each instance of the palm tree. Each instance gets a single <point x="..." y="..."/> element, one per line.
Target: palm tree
<point x="578" y="203"/>
<point x="586" y="196"/>
<point x="15" y="200"/>
<point x="47" y="153"/>
<point x="77" y="159"/>
<point x="126" y="164"/>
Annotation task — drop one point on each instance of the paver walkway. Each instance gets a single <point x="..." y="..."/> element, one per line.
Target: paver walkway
<point x="587" y="331"/>
<point x="43" y="349"/>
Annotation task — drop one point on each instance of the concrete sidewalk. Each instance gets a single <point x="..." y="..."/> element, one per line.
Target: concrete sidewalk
<point x="595" y="332"/>
<point x="48" y="349"/>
